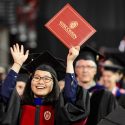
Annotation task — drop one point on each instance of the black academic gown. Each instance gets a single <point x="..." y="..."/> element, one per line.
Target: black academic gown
<point x="68" y="113"/>
<point x="2" y="110"/>
<point x="120" y="98"/>
<point x="102" y="102"/>
<point x="11" y="114"/>
<point x="117" y="117"/>
<point x="65" y="113"/>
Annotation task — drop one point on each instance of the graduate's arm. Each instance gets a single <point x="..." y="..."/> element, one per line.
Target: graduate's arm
<point x="70" y="87"/>
<point x="8" y="85"/>
<point x="19" y="57"/>
<point x="70" y="80"/>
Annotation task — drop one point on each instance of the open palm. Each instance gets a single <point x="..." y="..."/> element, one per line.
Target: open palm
<point x="18" y="54"/>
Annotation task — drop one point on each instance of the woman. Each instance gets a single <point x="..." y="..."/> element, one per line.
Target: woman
<point x="42" y="103"/>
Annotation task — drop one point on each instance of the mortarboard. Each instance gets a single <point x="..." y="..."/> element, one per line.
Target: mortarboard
<point x="116" y="61"/>
<point x="23" y="75"/>
<point x="46" y="58"/>
<point x="114" y="118"/>
<point x="89" y="53"/>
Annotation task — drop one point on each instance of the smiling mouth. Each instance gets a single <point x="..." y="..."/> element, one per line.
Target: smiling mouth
<point x="40" y="87"/>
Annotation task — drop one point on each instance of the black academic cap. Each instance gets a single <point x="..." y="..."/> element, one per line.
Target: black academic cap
<point x="46" y="58"/>
<point x="117" y="117"/>
<point x="117" y="59"/>
<point x="89" y="53"/>
<point x="24" y="70"/>
<point x="23" y="75"/>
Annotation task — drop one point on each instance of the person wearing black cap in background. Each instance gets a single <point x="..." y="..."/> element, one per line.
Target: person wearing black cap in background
<point x="102" y="102"/>
<point x="21" y="81"/>
<point x="42" y="102"/>
<point x="111" y="74"/>
<point x="115" y="65"/>
<point x="119" y="56"/>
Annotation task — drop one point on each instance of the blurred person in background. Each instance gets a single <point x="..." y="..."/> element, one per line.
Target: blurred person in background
<point x="111" y="75"/>
<point x="115" y="57"/>
<point x="113" y="70"/>
<point x="21" y="81"/>
<point x="85" y="66"/>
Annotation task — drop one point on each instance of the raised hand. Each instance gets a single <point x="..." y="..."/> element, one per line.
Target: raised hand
<point x="18" y="54"/>
<point x="73" y="53"/>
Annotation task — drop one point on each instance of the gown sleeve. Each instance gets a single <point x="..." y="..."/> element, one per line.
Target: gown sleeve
<point x="8" y="85"/>
<point x="70" y="87"/>
<point x="73" y="106"/>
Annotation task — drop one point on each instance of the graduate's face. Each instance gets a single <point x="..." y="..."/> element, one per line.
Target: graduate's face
<point x="85" y="71"/>
<point x="42" y="83"/>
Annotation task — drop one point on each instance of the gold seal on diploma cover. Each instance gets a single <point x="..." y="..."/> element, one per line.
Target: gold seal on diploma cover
<point x="47" y="115"/>
<point x="73" y="24"/>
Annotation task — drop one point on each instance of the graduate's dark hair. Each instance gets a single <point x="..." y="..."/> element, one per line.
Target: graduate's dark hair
<point x="28" y="96"/>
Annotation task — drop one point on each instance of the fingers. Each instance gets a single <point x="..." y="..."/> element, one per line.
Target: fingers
<point x="74" y="49"/>
<point x="22" y="49"/>
<point x="14" y="48"/>
<point x="11" y="50"/>
<point x="27" y="53"/>
<point x="17" y="49"/>
<point x="77" y="47"/>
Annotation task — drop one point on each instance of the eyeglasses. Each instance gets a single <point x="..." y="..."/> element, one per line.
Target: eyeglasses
<point x="85" y="67"/>
<point x="46" y="79"/>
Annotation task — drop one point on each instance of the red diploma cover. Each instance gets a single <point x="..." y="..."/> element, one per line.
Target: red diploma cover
<point x="70" y="27"/>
